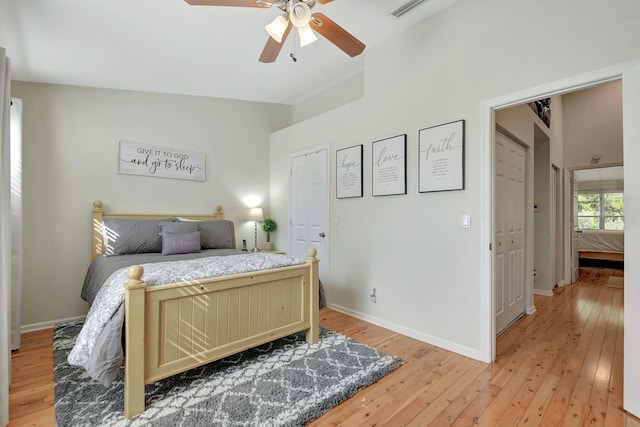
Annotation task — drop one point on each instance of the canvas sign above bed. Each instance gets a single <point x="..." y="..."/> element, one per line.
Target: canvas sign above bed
<point x="142" y="159"/>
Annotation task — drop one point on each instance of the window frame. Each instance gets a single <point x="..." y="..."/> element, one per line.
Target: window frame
<point x="601" y="207"/>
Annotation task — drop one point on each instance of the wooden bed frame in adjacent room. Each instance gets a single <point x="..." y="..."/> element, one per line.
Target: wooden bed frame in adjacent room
<point x="172" y="328"/>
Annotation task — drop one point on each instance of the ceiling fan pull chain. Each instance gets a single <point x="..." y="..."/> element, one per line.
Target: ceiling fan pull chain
<point x="292" y="55"/>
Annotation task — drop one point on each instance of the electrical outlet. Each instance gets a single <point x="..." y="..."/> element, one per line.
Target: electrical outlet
<point x="372" y="295"/>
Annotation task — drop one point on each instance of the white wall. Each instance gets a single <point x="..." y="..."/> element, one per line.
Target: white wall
<point x="411" y="248"/>
<point x="69" y="158"/>
<point x="593" y="124"/>
<point x="631" y="130"/>
<point x="344" y="92"/>
<point x="542" y="215"/>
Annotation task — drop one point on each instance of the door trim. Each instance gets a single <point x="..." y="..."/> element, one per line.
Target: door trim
<point x="487" y="127"/>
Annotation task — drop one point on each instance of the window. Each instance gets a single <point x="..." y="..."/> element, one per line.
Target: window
<point x="601" y="211"/>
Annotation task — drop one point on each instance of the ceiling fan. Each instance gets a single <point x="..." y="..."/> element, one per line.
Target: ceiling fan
<point x="297" y="13"/>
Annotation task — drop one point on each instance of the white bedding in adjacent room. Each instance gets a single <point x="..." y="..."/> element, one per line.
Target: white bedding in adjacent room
<point x="601" y="241"/>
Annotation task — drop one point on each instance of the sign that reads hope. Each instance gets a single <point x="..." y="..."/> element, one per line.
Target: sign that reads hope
<point x="142" y="159"/>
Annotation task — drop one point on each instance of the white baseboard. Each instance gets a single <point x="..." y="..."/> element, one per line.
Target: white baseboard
<point x="530" y="310"/>
<point x="32" y="327"/>
<point x="412" y="333"/>
<point x="543" y="292"/>
<point x="562" y="283"/>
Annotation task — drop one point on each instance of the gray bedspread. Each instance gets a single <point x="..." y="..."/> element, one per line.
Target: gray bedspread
<point x="103" y="267"/>
<point x="98" y="348"/>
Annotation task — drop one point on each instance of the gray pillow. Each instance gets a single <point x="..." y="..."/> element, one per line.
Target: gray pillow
<point x="132" y="236"/>
<point x="217" y="234"/>
<point x="180" y="243"/>
<point x="179" y="227"/>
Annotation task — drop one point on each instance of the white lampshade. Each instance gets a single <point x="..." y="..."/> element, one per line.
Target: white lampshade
<point x="300" y="15"/>
<point x="277" y="28"/>
<point x="306" y="35"/>
<point x="255" y="214"/>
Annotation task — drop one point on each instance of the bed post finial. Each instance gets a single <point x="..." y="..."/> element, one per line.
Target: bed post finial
<point x="97" y="204"/>
<point x="135" y="273"/>
<point x="219" y="215"/>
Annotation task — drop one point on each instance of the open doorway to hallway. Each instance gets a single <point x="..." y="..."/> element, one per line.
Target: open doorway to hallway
<point x="582" y="129"/>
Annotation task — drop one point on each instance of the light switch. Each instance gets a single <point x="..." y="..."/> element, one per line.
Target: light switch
<point x="336" y="220"/>
<point x="466" y="221"/>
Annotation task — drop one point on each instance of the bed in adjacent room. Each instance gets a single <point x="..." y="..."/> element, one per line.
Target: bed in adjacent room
<point x="601" y="248"/>
<point x="601" y="241"/>
<point x="183" y="296"/>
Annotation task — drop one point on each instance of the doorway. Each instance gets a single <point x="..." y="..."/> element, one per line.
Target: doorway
<point x="598" y="210"/>
<point x="489" y="109"/>
<point x="577" y="130"/>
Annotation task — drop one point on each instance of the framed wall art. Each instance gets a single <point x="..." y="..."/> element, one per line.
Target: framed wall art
<point x="136" y="158"/>
<point x="441" y="157"/>
<point x="389" y="166"/>
<point x="349" y="172"/>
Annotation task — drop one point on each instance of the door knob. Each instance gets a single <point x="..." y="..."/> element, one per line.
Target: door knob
<point x="321" y="234"/>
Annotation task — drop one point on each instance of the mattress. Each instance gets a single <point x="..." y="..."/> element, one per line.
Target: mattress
<point x="601" y="241"/>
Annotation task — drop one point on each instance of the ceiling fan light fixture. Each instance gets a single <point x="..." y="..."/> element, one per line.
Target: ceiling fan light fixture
<point x="264" y="3"/>
<point x="277" y="28"/>
<point x="300" y="14"/>
<point x="306" y="35"/>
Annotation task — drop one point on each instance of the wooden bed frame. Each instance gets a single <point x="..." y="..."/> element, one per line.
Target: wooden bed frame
<point x="176" y="327"/>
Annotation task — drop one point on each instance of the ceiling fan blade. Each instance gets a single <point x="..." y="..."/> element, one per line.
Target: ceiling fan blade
<point x="336" y="34"/>
<point x="237" y="3"/>
<point x="272" y="47"/>
<point x="324" y="1"/>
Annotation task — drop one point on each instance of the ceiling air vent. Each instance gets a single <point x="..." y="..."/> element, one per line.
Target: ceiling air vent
<point x="407" y="7"/>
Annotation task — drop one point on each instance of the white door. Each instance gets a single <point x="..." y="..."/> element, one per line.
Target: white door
<point x="309" y="208"/>
<point x="575" y="230"/>
<point x="510" y="219"/>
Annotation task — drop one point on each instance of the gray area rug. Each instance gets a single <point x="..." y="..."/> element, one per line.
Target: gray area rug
<point x="284" y="383"/>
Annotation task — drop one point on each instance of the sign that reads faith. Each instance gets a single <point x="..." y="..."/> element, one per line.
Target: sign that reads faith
<point x="141" y="159"/>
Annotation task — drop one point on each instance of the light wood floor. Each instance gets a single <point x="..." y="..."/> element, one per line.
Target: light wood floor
<point x="559" y="366"/>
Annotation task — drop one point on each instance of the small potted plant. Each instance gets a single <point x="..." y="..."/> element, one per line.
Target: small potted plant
<point x="269" y="226"/>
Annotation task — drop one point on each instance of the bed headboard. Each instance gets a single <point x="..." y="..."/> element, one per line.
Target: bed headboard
<point x="98" y="214"/>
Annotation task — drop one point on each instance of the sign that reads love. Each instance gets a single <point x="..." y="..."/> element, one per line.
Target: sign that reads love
<point x="141" y="159"/>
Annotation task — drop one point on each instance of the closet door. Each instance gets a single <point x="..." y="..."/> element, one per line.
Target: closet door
<point x="510" y="216"/>
<point x="309" y="208"/>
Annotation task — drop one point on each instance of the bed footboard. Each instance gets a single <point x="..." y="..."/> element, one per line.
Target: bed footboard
<point x="176" y="327"/>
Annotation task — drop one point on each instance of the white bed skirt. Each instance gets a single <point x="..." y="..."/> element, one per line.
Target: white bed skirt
<point x="601" y="241"/>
